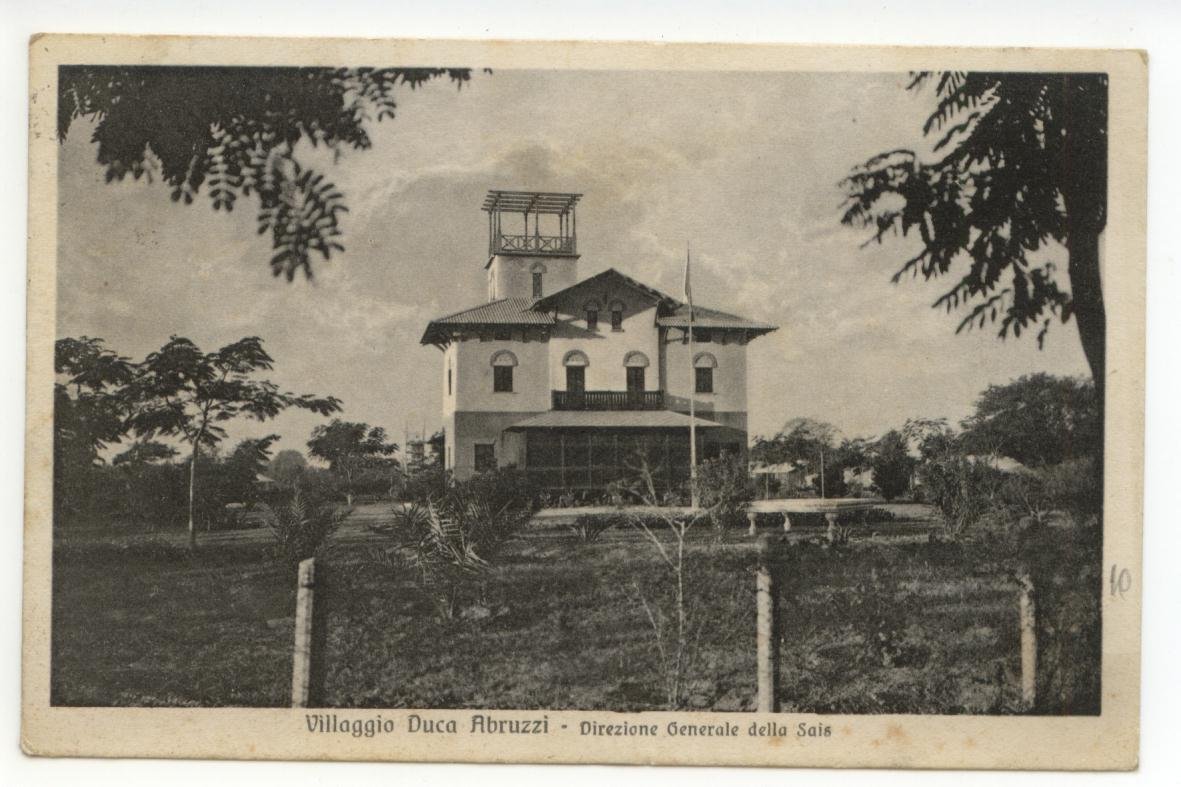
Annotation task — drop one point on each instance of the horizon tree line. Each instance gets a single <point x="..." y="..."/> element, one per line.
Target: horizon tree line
<point x="171" y="411"/>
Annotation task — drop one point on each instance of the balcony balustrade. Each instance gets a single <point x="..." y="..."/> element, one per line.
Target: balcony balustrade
<point x="608" y="400"/>
<point x="533" y="244"/>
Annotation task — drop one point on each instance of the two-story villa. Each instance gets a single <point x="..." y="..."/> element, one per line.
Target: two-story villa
<point x="581" y="382"/>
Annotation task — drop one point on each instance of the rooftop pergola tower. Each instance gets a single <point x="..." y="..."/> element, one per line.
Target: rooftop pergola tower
<point x="532" y="243"/>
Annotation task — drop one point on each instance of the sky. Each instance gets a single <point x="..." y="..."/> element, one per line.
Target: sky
<point x="743" y="167"/>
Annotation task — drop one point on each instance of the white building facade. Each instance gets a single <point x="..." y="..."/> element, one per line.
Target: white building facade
<point x="583" y="382"/>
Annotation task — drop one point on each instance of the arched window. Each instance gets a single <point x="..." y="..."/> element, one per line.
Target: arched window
<point x="616" y="316"/>
<point x="635" y="362"/>
<point x="502" y="371"/>
<point x="592" y="315"/>
<point x="575" y="362"/>
<point x="703" y="369"/>
<point x="538" y="270"/>
<point x="635" y="358"/>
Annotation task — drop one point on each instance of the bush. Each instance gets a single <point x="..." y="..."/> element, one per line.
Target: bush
<point x="892" y="465"/>
<point x="419" y="487"/>
<point x="456" y="535"/>
<point x="724" y="488"/>
<point x="966" y="492"/>
<point x="300" y="528"/>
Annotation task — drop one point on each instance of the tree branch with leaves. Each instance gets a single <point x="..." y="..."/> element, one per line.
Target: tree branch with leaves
<point x="234" y="132"/>
<point x="1020" y="161"/>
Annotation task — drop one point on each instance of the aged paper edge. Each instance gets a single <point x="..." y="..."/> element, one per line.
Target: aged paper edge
<point x="1108" y="742"/>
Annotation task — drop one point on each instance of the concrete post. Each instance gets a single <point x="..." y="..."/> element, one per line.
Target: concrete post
<point x="1027" y="608"/>
<point x="767" y="634"/>
<point x="301" y="670"/>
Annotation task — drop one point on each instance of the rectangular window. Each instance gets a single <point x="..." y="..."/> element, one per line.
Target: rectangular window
<point x="702" y="335"/>
<point x="485" y="457"/>
<point x="635" y="379"/>
<point x="502" y="379"/>
<point x="575" y="379"/>
<point x="536" y="285"/>
<point x="705" y="380"/>
<point x="448" y="381"/>
<point x="617" y="319"/>
<point x="503" y="334"/>
<point x="592" y="319"/>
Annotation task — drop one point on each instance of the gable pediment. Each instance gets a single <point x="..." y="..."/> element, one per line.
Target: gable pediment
<point x="602" y="291"/>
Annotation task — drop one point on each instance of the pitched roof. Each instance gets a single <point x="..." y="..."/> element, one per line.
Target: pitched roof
<point x="526" y="311"/>
<point x="607" y="419"/>
<point x="506" y="311"/>
<point x="711" y="318"/>
<point x="610" y="274"/>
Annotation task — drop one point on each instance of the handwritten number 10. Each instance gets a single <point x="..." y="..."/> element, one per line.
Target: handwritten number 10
<point x="1121" y="581"/>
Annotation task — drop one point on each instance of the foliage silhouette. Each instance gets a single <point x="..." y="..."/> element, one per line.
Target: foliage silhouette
<point x="1023" y="162"/>
<point x="234" y="131"/>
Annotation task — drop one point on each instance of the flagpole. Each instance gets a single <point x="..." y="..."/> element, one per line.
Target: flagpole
<point x="693" y="498"/>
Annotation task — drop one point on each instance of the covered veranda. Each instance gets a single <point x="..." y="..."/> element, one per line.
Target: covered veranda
<point x="590" y="450"/>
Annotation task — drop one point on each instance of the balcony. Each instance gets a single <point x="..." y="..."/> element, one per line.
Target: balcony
<point x="608" y="400"/>
<point x="533" y="244"/>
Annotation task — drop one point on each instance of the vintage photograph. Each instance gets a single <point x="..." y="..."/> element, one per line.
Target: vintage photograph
<point x="448" y="386"/>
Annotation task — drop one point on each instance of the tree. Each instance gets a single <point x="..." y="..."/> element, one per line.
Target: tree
<point x="89" y="413"/>
<point x="239" y="472"/>
<point x="892" y="464"/>
<point x="1025" y="164"/>
<point x="89" y="404"/>
<point x="287" y="467"/>
<point x="144" y="452"/>
<point x="349" y="448"/>
<point x="800" y="440"/>
<point x="931" y="437"/>
<point x="1037" y="419"/>
<point x="182" y="392"/>
<point x="145" y="474"/>
<point x="807" y="442"/>
<point x="235" y="130"/>
<point x="436" y="447"/>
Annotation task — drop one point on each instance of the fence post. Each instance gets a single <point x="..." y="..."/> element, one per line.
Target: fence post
<point x="767" y="633"/>
<point x="750" y="517"/>
<point x="831" y="533"/>
<point x="306" y="673"/>
<point x="1028" y="614"/>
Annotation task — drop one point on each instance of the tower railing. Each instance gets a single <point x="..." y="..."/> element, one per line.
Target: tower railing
<point x="533" y="244"/>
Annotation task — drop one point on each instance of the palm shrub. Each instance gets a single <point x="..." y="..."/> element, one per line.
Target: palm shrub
<point x="967" y="492"/>
<point x="301" y="528"/>
<point x="455" y="537"/>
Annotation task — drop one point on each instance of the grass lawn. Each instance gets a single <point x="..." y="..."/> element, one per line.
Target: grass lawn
<point x="876" y="626"/>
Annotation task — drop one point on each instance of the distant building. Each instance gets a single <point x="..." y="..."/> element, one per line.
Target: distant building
<point x="580" y="382"/>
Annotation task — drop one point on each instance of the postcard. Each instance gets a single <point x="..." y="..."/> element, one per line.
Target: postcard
<point x="574" y="402"/>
